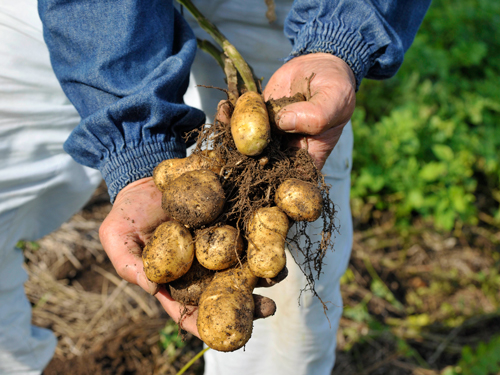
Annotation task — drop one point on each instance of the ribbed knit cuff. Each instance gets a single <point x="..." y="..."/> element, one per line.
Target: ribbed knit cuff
<point x="339" y="41"/>
<point x="133" y="164"/>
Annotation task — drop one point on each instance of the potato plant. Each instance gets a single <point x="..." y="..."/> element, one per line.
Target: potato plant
<point x="234" y="200"/>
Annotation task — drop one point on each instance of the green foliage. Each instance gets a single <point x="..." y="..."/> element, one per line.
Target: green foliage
<point x="485" y="360"/>
<point x="170" y="340"/>
<point x="428" y="140"/>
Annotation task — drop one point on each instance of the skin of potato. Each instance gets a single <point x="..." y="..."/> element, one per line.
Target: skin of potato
<point x="195" y="198"/>
<point x="169" y="253"/>
<point x="266" y="234"/>
<point x="219" y="248"/>
<point x="226" y="308"/>
<point x="250" y="124"/>
<point x="170" y="169"/>
<point x="300" y="200"/>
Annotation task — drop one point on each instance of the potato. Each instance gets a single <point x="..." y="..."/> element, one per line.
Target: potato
<point x="195" y="198"/>
<point x="300" y="200"/>
<point x="188" y="288"/>
<point x="169" y="253"/>
<point x="219" y="248"/>
<point x="226" y="309"/>
<point x="250" y="124"/>
<point x="266" y="234"/>
<point x="170" y="169"/>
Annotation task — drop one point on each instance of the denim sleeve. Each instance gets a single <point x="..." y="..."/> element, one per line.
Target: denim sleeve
<point x="124" y="64"/>
<point x="371" y="36"/>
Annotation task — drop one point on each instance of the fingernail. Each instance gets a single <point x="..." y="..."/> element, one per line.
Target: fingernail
<point x="286" y="121"/>
<point x="148" y="286"/>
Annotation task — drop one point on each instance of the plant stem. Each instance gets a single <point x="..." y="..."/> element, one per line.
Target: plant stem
<point x="231" y="51"/>
<point x="193" y="360"/>
<point x="212" y="50"/>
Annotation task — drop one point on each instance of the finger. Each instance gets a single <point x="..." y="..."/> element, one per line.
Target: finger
<point x="326" y="109"/>
<point x="268" y="282"/>
<point x="320" y="146"/>
<point x="185" y="316"/>
<point x="264" y="307"/>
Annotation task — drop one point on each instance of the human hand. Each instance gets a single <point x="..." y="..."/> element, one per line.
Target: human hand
<point x="131" y="222"/>
<point x="319" y="121"/>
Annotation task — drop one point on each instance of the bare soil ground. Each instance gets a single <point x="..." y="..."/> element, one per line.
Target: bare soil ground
<point x="413" y="300"/>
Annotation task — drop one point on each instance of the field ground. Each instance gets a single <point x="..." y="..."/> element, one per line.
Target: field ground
<point x="413" y="300"/>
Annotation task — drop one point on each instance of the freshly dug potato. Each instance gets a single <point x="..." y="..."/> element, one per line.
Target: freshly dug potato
<point x="300" y="200"/>
<point x="169" y="253"/>
<point x="266" y="234"/>
<point x="188" y="288"/>
<point x="195" y="198"/>
<point x="219" y="248"/>
<point x="226" y="309"/>
<point x="170" y="169"/>
<point x="250" y="124"/>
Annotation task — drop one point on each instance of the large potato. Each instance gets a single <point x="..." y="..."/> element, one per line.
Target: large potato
<point x="226" y="309"/>
<point x="195" y="198"/>
<point x="266" y="234"/>
<point x="169" y="253"/>
<point x="170" y="169"/>
<point x="300" y="200"/>
<point x="219" y="248"/>
<point x="250" y="124"/>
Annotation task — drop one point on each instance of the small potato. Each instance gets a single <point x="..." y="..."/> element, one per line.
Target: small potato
<point x="170" y="169"/>
<point x="250" y="124"/>
<point x="195" y="198"/>
<point x="300" y="200"/>
<point x="169" y="253"/>
<point x="188" y="288"/>
<point x="219" y="248"/>
<point x="226" y="310"/>
<point x="266" y="234"/>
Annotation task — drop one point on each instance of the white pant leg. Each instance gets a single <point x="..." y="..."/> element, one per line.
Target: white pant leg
<point x="40" y="185"/>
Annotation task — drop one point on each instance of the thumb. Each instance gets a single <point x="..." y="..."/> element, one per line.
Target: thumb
<point x="324" y="110"/>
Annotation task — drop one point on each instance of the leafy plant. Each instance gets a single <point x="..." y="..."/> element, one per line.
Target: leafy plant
<point x="485" y="360"/>
<point x="428" y="140"/>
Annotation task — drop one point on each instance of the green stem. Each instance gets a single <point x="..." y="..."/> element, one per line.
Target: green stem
<point x="231" y="52"/>
<point x="193" y="360"/>
<point x="212" y="50"/>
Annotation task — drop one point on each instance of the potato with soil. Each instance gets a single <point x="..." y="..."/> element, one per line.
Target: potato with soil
<point x="250" y="124"/>
<point x="169" y="253"/>
<point x="195" y="198"/>
<point x="266" y="234"/>
<point x="219" y="248"/>
<point x="300" y="200"/>
<point x="188" y="288"/>
<point x="170" y="169"/>
<point x="226" y="309"/>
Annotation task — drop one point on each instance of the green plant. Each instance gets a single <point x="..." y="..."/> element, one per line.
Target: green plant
<point x="485" y="360"/>
<point x="428" y="140"/>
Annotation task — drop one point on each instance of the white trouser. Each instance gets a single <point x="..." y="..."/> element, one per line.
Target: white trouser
<point x="299" y="339"/>
<point x="40" y="185"/>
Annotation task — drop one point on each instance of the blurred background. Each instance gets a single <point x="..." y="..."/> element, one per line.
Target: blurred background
<point x="422" y="292"/>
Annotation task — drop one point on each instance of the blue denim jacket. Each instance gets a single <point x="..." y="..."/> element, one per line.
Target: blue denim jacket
<point x="124" y="64"/>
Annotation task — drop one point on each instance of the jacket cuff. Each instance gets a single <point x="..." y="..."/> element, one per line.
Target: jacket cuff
<point x="335" y="39"/>
<point x="133" y="164"/>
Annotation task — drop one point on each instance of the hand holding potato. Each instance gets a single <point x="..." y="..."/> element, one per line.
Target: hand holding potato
<point x="132" y="221"/>
<point x="321" y="118"/>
